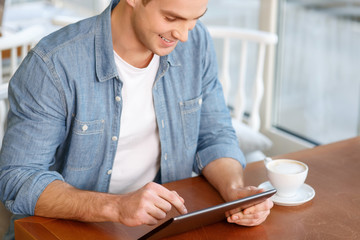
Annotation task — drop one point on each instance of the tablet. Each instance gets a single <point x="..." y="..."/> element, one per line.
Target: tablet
<point x="204" y="217"/>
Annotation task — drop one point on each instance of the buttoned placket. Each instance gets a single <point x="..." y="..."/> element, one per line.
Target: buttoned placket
<point x="116" y="124"/>
<point x="161" y="119"/>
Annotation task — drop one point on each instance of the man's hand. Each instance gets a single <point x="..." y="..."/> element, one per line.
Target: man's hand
<point x="226" y="175"/>
<point x="148" y="205"/>
<point x="251" y="216"/>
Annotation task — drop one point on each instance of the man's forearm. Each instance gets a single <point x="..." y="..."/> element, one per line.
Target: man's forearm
<point x="61" y="200"/>
<point x="147" y="205"/>
<point x="226" y="175"/>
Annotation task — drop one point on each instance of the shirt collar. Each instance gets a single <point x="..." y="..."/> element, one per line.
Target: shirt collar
<point x="105" y="63"/>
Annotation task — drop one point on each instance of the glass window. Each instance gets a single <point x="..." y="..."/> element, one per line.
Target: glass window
<point x="317" y="82"/>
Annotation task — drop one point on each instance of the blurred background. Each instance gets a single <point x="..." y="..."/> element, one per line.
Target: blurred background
<point x="312" y="81"/>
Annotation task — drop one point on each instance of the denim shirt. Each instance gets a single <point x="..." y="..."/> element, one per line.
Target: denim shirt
<point x="65" y="110"/>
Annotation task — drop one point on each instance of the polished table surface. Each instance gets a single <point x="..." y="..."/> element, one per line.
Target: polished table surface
<point x="334" y="213"/>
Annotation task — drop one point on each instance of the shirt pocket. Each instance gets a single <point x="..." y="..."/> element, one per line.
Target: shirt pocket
<point x="190" y="117"/>
<point x="85" y="144"/>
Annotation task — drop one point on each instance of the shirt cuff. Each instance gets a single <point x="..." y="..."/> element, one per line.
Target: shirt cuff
<point x="30" y="192"/>
<point x="205" y="156"/>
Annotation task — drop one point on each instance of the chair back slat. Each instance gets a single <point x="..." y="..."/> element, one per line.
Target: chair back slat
<point x="225" y="78"/>
<point x="258" y="89"/>
<point x="24" y="50"/>
<point x="13" y="58"/>
<point x="240" y="99"/>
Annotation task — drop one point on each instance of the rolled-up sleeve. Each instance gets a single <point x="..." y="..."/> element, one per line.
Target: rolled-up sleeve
<point x="35" y="130"/>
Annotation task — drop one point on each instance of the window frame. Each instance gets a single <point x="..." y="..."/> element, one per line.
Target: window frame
<point x="284" y="142"/>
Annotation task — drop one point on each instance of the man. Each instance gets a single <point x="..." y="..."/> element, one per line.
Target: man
<point x="104" y="107"/>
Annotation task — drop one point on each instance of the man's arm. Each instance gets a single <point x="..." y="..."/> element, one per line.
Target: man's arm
<point x="226" y="175"/>
<point x="144" y="206"/>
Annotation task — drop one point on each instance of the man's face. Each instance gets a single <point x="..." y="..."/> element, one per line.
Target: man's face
<point x="160" y="24"/>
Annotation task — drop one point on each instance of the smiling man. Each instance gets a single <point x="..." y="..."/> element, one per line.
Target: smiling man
<point x="105" y="109"/>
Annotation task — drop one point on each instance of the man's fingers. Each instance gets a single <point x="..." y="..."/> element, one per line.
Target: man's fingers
<point x="176" y="201"/>
<point x="157" y="212"/>
<point x="253" y="215"/>
<point x="173" y="198"/>
<point x="264" y="206"/>
<point x="148" y="205"/>
<point x="183" y="201"/>
<point x="162" y="204"/>
<point x="248" y="220"/>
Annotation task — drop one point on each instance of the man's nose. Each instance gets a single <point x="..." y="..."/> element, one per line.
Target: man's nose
<point x="182" y="32"/>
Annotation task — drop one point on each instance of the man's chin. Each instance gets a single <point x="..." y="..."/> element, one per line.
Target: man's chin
<point x="164" y="51"/>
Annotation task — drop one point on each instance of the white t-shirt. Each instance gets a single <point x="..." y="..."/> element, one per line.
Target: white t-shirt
<point x="137" y="158"/>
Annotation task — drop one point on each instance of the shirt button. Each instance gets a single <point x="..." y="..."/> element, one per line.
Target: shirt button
<point x="114" y="138"/>
<point x="85" y="127"/>
<point x="200" y="101"/>
<point x="109" y="172"/>
<point x="165" y="156"/>
<point x="118" y="99"/>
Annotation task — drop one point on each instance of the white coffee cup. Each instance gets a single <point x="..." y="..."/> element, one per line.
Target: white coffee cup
<point x="286" y="175"/>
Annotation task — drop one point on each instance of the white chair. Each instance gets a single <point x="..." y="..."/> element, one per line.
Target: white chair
<point x="14" y="47"/>
<point x="252" y="46"/>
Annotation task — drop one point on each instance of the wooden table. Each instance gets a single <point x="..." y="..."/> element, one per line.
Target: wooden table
<point x="334" y="213"/>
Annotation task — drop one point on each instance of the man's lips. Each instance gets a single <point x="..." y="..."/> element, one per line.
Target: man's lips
<point x="165" y="39"/>
<point x="167" y="42"/>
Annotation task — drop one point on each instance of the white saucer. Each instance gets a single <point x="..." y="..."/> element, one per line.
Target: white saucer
<point x="305" y="194"/>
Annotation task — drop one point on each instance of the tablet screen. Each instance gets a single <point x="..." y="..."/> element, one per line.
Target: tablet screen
<point x="204" y="217"/>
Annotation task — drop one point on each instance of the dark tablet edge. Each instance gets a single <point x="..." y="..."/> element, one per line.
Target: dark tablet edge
<point x="227" y="204"/>
<point x="209" y="209"/>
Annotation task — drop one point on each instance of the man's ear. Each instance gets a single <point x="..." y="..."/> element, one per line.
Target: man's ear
<point x="131" y="2"/>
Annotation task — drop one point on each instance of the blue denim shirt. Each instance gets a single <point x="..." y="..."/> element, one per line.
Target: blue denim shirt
<point x="65" y="110"/>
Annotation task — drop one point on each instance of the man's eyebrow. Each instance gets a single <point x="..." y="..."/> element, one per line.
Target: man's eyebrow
<point x="174" y="14"/>
<point x="202" y="14"/>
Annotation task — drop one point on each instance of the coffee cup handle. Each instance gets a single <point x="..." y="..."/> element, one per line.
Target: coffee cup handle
<point x="267" y="160"/>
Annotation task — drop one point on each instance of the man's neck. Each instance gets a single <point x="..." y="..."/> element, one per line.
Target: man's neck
<point x="125" y="42"/>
